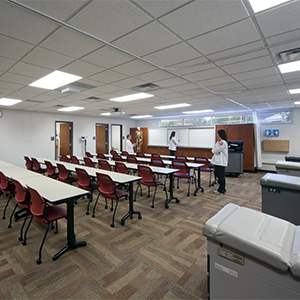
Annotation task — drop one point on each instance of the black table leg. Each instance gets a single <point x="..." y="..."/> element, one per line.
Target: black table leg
<point x="131" y="212"/>
<point x="199" y="187"/>
<point x="171" y="193"/>
<point x="71" y="244"/>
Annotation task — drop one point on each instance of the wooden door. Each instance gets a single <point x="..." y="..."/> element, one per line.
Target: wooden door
<point x="102" y="138"/>
<point x="64" y="137"/>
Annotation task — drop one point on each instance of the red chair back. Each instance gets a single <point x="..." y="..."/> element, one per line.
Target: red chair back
<point x="88" y="162"/>
<point x="83" y="178"/>
<point x="101" y="156"/>
<point x="88" y="154"/>
<point x="64" y="158"/>
<point x="106" y="185"/>
<point x="125" y="153"/>
<point x="3" y="182"/>
<point x="63" y="172"/>
<point x="117" y="157"/>
<point x="155" y="155"/>
<point x="20" y="194"/>
<point x="140" y="154"/>
<point x="181" y="165"/>
<point x="146" y="173"/>
<point x="203" y="160"/>
<point x="156" y="162"/>
<point x="132" y="160"/>
<point x="181" y="158"/>
<point x="113" y="152"/>
<point x="74" y="160"/>
<point x="28" y="163"/>
<point x="121" y="168"/>
<point x="104" y="165"/>
<point x="37" y="205"/>
<point x="50" y="169"/>
<point x="35" y="164"/>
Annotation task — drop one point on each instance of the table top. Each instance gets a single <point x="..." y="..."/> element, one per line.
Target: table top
<point x="4" y="164"/>
<point x="18" y="172"/>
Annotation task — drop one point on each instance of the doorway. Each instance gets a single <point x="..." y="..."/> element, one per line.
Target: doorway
<point x="116" y="137"/>
<point x="63" y="138"/>
<point x="101" y="138"/>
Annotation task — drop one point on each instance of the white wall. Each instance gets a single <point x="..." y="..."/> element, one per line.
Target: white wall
<point x="288" y="131"/>
<point x="29" y="133"/>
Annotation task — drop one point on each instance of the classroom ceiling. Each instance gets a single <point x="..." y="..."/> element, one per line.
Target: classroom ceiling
<point x="211" y="54"/>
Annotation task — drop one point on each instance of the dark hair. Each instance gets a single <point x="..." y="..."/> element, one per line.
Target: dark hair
<point x="128" y="135"/>
<point x="172" y="134"/>
<point x="222" y="134"/>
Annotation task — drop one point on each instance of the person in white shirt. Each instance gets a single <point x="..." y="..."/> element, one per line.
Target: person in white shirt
<point x="220" y="160"/>
<point x="173" y="143"/>
<point x="129" y="145"/>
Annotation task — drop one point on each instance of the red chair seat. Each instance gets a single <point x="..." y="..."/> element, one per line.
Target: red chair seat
<point x="117" y="194"/>
<point x="153" y="183"/>
<point x="52" y="213"/>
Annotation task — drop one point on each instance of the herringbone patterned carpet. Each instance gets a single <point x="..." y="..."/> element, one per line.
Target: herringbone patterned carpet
<point x="161" y="256"/>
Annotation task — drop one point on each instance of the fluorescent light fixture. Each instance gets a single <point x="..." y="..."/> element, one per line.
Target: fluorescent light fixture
<point x="70" y="108"/>
<point x="297" y="102"/>
<point x="55" y="80"/>
<point x="105" y="114"/>
<point x="197" y="111"/>
<point x="9" y="102"/>
<point x="141" y="117"/>
<point x="294" y="91"/>
<point x="290" y="67"/>
<point x="259" y="5"/>
<point x="132" y="97"/>
<point x="172" y="106"/>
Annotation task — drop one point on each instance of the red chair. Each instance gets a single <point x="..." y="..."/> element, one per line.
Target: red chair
<point x="74" y="160"/>
<point x="108" y="190"/>
<point x="22" y="197"/>
<point x="132" y="160"/>
<point x="104" y="165"/>
<point x="181" y="158"/>
<point x="88" y="154"/>
<point x="117" y="157"/>
<point x="149" y="180"/>
<point x="157" y="162"/>
<point x="206" y="168"/>
<point x="155" y="155"/>
<point x="140" y="154"/>
<point x="64" y="174"/>
<point x="64" y="158"/>
<point x="88" y="162"/>
<point x="28" y="163"/>
<point x="113" y="152"/>
<point x="36" y="166"/>
<point x="43" y="213"/>
<point x="101" y="156"/>
<point x="84" y="181"/>
<point x="8" y="188"/>
<point x="121" y="168"/>
<point x="125" y="153"/>
<point x="184" y="172"/>
<point x="50" y="170"/>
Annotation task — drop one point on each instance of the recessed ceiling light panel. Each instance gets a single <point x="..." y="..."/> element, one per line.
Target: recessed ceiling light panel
<point x="294" y="91"/>
<point x="9" y="102"/>
<point x="172" y="106"/>
<point x="55" y="80"/>
<point x="132" y="97"/>
<point x="198" y="111"/>
<point x="290" y="67"/>
<point x="70" y="108"/>
<point x="259" y="5"/>
<point x="141" y="117"/>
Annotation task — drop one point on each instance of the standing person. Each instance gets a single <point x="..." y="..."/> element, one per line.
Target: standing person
<point x="220" y="160"/>
<point x="129" y="145"/>
<point x="173" y="143"/>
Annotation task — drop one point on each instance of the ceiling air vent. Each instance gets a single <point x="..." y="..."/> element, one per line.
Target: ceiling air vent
<point x="146" y="87"/>
<point x="93" y="99"/>
<point x="288" y="55"/>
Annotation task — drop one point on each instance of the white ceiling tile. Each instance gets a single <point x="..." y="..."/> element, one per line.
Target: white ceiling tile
<point x="196" y="18"/>
<point x="28" y="69"/>
<point x="14" y="78"/>
<point x="256" y="74"/>
<point x="134" y="68"/>
<point x="147" y="39"/>
<point x="124" y="16"/>
<point x="280" y="20"/>
<point x="108" y="76"/>
<point x="262" y="81"/>
<point x="155" y="76"/>
<point x="129" y="83"/>
<point x="82" y="68"/>
<point x="6" y="63"/>
<point x="204" y="75"/>
<point x="282" y="104"/>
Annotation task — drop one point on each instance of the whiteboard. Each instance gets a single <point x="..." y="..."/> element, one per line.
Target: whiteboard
<point x="157" y="137"/>
<point x="182" y="134"/>
<point x="202" y="137"/>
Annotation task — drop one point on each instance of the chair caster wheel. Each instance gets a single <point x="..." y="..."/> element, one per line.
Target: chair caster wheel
<point x="134" y="200"/>
<point x="3" y="217"/>
<point x="122" y="223"/>
<point x="55" y="231"/>
<point x="202" y="190"/>
<point x="38" y="261"/>
<point x="87" y="213"/>
<point x="188" y="195"/>
<point x="140" y="216"/>
<point x="9" y="226"/>
<point x="112" y="225"/>
<point x="24" y="243"/>
<point x="131" y="217"/>
<point x="177" y="201"/>
<point x="111" y="209"/>
<point x="166" y="206"/>
<point x="105" y="207"/>
<point x="20" y="238"/>
<point x="93" y="216"/>
<point x="52" y="227"/>
<point x="152" y="206"/>
<point x="195" y="194"/>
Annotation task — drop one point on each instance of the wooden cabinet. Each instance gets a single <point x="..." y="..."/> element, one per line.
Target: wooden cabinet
<point x="243" y="132"/>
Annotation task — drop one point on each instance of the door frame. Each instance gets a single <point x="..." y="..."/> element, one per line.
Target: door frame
<point x="107" y="135"/>
<point x="121" y="135"/>
<point x="71" y="136"/>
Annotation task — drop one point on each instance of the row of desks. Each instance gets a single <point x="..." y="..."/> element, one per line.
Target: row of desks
<point x="53" y="191"/>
